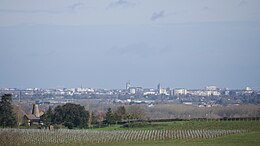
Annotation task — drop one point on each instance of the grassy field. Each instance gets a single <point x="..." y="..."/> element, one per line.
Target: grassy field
<point x="189" y="125"/>
<point x="245" y="139"/>
<point x="250" y="138"/>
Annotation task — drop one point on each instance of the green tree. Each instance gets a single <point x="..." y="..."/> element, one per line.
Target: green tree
<point x="71" y="115"/>
<point x="111" y="118"/>
<point x="7" y="116"/>
<point x="47" y="118"/>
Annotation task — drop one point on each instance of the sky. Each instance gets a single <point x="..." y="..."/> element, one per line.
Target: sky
<point x="106" y="43"/>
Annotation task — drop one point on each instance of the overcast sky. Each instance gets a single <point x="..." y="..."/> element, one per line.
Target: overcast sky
<point x="105" y="43"/>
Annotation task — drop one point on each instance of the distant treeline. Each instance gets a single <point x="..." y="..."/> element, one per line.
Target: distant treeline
<point x="207" y="119"/>
<point x="194" y="119"/>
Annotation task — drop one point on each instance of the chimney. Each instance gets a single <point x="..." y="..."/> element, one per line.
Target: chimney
<point x="35" y="110"/>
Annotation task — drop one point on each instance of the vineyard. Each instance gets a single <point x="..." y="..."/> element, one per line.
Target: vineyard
<point x="15" y="137"/>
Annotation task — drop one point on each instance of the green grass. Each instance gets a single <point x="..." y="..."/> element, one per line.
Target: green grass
<point x="109" y="128"/>
<point x="186" y="125"/>
<point x="245" y="139"/>
<point x="250" y="138"/>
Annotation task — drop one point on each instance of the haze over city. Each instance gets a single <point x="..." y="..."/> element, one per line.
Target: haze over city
<point x="105" y="43"/>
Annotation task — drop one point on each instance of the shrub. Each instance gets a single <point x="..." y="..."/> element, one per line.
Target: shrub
<point x="136" y="125"/>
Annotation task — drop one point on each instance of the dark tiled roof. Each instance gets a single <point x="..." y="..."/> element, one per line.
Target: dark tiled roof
<point x="32" y="117"/>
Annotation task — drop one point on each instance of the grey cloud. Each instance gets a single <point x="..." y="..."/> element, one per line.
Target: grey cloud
<point x="76" y="5"/>
<point x="122" y="3"/>
<point x="205" y="8"/>
<point x="158" y="15"/>
<point x="242" y="2"/>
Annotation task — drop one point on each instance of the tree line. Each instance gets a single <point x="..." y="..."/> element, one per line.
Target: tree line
<point x="71" y="115"/>
<point x="76" y="116"/>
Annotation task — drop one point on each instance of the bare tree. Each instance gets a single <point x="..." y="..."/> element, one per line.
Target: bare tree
<point x="100" y="116"/>
<point x="136" y="113"/>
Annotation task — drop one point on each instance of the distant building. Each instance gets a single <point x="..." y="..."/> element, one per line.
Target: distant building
<point x="211" y="88"/>
<point x="149" y="91"/>
<point x="180" y="91"/>
<point x="132" y="90"/>
<point x="30" y="120"/>
<point x="171" y="92"/>
<point x="128" y="85"/>
<point x="161" y="90"/>
<point x="209" y="91"/>
<point x="36" y="111"/>
<point x="159" y="87"/>
<point x="248" y="91"/>
<point x="226" y="92"/>
<point x="34" y="117"/>
<point x="203" y="92"/>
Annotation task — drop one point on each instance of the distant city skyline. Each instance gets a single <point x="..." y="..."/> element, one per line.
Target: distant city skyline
<point x="128" y="86"/>
<point x="105" y="43"/>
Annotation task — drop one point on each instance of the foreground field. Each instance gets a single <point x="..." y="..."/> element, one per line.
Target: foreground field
<point x="193" y="125"/>
<point x="245" y="139"/>
<point x="158" y="133"/>
<point x="35" y="136"/>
